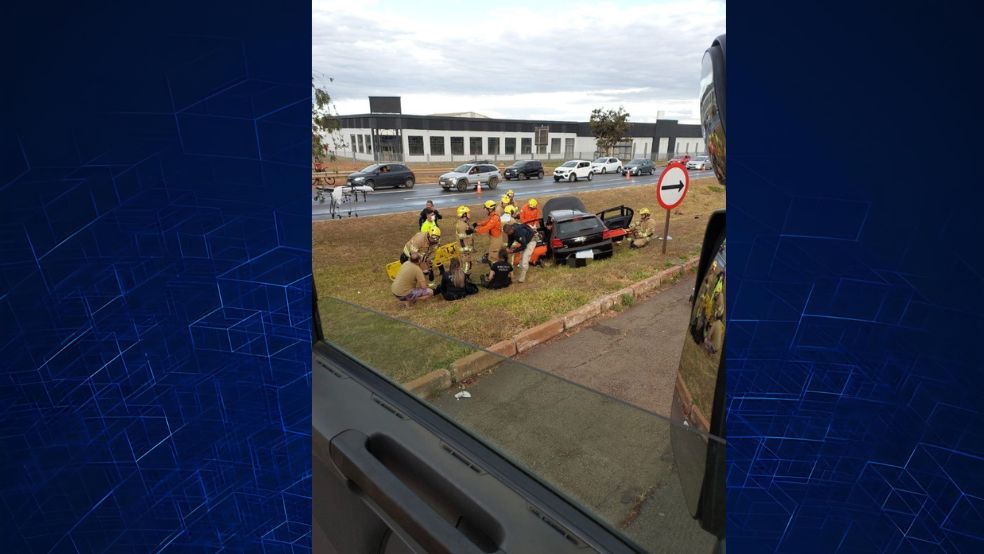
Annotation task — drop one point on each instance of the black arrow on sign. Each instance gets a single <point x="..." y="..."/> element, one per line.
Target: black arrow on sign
<point x="677" y="186"/>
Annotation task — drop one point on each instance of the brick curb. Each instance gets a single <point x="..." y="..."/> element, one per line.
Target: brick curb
<point x="489" y="358"/>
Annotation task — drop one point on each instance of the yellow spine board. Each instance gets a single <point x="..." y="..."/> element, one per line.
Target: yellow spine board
<point x="442" y="256"/>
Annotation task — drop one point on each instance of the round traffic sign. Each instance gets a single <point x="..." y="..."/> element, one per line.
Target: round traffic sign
<point x="672" y="185"/>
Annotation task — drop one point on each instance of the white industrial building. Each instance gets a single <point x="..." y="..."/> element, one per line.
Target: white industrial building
<point x="386" y="134"/>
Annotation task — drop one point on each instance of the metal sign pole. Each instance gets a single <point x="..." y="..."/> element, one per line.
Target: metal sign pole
<point x="666" y="231"/>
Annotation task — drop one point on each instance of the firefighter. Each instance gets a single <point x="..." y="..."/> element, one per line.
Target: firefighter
<point x="642" y="231"/>
<point x="530" y="214"/>
<point x="424" y="244"/>
<point x="512" y="198"/>
<point x="504" y="202"/>
<point x="492" y="226"/>
<point x="464" y="231"/>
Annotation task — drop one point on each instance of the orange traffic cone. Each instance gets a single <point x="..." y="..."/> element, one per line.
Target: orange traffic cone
<point x="478" y="188"/>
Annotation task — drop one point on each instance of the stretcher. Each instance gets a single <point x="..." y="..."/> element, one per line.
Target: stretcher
<point x="441" y="257"/>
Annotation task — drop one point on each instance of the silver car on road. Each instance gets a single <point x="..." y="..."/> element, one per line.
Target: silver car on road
<point x="470" y="175"/>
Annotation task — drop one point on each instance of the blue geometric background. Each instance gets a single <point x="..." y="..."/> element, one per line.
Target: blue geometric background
<point x="855" y="373"/>
<point x="154" y="283"/>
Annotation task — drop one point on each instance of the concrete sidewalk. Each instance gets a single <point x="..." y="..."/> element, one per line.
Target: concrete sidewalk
<point x="632" y="356"/>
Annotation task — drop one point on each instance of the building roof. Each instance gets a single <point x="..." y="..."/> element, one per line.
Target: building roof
<point x="461" y="114"/>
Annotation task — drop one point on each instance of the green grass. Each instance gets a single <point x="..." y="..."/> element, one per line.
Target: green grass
<point x="628" y="300"/>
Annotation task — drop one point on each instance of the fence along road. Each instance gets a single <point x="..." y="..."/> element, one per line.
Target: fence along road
<point x="387" y="201"/>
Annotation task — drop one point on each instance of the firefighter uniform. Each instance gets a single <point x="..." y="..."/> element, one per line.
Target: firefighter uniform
<point x="643" y="231"/>
<point x="424" y="245"/>
<point x="465" y="238"/>
<point x="530" y="214"/>
<point x="492" y="226"/>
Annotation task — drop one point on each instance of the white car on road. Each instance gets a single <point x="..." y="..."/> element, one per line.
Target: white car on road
<point x="606" y="165"/>
<point x="700" y="162"/>
<point x="574" y="170"/>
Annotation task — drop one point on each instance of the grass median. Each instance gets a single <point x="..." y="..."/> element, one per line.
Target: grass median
<point x="349" y="259"/>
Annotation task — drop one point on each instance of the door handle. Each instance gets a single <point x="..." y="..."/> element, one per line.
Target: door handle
<point x="349" y="453"/>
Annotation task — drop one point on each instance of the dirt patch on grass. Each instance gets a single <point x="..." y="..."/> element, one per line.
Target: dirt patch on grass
<point x="349" y="257"/>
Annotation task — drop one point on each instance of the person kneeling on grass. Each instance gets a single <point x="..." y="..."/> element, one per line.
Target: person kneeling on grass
<point x="410" y="284"/>
<point x="455" y="285"/>
<point x="500" y="273"/>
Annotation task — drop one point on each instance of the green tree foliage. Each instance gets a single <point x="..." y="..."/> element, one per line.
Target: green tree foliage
<point x="325" y="138"/>
<point x="609" y="127"/>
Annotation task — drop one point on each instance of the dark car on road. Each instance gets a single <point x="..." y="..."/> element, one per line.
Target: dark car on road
<point x="572" y="233"/>
<point x="383" y="175"/>
<point x="639" y="166"/>
<point x="524" y="169"/>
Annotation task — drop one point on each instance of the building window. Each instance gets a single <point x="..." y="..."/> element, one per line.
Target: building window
<point x="555" y="146"/>
<point x="361" y="145"/>
<point x="527" y="146"/>
<point x="368" y="144"/>
<point x="511" y="145"/>
<point x="415" y="145"/>
<point x="494" y="145"/>
<point x="437" y="146"/>
<point x="569" y="147"/>
<point x="475" y="145"/>
<point x="541" y="148"/>
<point x="457" y="146"/>
<point x="353" y="143"/>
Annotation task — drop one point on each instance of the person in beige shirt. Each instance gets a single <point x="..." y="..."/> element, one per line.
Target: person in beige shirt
<point x="410" y="284"/>
<point x="642" y="231"/>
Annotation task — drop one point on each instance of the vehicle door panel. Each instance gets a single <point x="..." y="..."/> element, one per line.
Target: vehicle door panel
<point x="465" y="492"/>
<point x="618" y="217"/>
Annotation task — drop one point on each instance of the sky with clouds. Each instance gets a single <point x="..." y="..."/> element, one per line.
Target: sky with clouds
<point x="516" y="59"/>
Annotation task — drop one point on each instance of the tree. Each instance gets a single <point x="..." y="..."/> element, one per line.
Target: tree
<point x="325" y="138"/>
<point x="609" y="127"/>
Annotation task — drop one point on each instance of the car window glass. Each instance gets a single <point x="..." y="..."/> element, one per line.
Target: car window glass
<point x="610" y="457"/>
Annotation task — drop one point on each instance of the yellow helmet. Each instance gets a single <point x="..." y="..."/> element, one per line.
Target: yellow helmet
<point x="645" y="211"/>
<point x="489" y="204"/>
<point x="511" y="210"/>
<point x="505" y="199"/>
<point x="510" y="193"/>
<point x="462" y="210"/>
<point x="532" y="202"/>
<point x="434" y="232"/>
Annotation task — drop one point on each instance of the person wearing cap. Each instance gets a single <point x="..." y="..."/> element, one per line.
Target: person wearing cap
<point x="511" y="214"/>
<point x="500" y="209"/>
<point x="424" y="245"/>
<point x="463" y="230"/>
<point x="410" y="284"/>
<point x="521" y="239"/>
<point x="492" y="226"/>
<point x="530" y="214"/>
<point x="643" y="230"/>
<point x="512" y="198"/>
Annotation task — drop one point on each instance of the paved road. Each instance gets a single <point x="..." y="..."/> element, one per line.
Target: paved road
<point x="611" y="456"/>
<point x="387" y="201"/>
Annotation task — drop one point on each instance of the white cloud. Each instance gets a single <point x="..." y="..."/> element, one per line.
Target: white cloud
<point x="519" y="62"/>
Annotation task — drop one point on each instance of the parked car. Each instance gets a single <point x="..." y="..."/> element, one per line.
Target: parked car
<point x="524" y="169"/>
<point x="606" y="164"/>
<point x="682" y="158"/>
<point x="383" y="175"/>
<point x="640" y="166"/>
<point x="574" y="170"/>
<point x="700" y="163"/>
<point x="470" y="175"/>
<point x="570" y="232"/>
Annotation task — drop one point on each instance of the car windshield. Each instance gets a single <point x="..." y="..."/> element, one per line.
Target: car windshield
<point x="369" y="168"/>
<point x="462" y="168"/>
<point x="544" y="422"/>
<point x="518" y="164"/>
<point x="578" y="227"/>
<point x="601" y="160"/>
<point x="568" y="164"/>
<point x="700" y="159"/>
<point x="637" y="162"/>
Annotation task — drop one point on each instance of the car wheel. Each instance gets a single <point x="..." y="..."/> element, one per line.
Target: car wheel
<point x="462" y="185"/>
<point x="604" y="170"/>
<point x="408" y="183"/>
<point x="590" y="175"/>
<point x="493" y="182"/>
<point x="539" y="174"/>
<point x="573" y="177"/>
<point x="370" y="183"/>
<point x="619" y="171"/>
